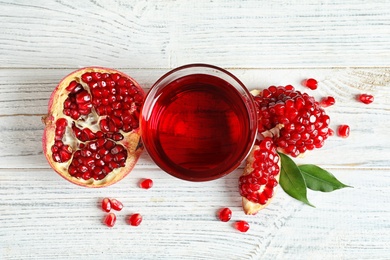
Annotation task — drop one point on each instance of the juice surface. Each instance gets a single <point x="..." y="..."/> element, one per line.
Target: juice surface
<point x="199" y="127"/>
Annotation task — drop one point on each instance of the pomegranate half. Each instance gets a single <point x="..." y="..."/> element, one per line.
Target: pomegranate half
<point x="91" y="135"/>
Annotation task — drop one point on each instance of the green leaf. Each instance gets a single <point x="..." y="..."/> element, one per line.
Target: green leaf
<point x="292" y="181"/>
<point x="319" y="179"/>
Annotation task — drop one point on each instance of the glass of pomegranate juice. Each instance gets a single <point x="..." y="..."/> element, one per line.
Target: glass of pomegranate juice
<point x="198" y="122"/>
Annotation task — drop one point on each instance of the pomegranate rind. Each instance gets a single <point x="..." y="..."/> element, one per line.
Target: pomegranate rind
<point x="250" y="207"/>
<point x="131" y="141"/>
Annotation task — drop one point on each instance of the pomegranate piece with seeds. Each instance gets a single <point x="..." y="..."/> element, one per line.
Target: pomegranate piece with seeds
<point x="261" y="176"/>
<point x="365" y="98"/>
<point x="109" y="220"/>
<point x="225" y="214"/>
<point x="301" y="122"/>
<point x="146" y="184"/>
<point x="289" y="122"/>
<point x="310" y="83"/>
<point x="91" y="135"/>
<point x="343" y="131"/>
<point x="241" y="226"/>
<point x="135" y="219"/>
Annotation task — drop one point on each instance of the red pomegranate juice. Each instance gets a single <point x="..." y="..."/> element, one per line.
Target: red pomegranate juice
<point x="198" y="127"/>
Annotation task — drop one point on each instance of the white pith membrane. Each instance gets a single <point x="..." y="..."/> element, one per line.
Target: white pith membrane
<point x="130" y="141"/>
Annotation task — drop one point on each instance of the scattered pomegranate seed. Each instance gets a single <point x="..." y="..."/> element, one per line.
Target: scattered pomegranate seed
<point x="365" y="98"/>
<point x="146" y="184"/>
<point x="310" y="83"/>
<point x="241" y="226"/>
<point x="116" y="204"/>
<point x="106" y="204"/>
<point x="225" y="214"/>
<point x="327" y="101"/>
<point x="343" y="131"/>
<point x="135" y="219"/>
<point x="110" y="220"/>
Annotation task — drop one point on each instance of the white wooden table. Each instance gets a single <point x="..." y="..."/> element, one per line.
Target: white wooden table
<point x="345" y="45"/>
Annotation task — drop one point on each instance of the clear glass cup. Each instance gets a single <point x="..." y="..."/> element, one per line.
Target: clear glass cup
<point x="198" y="122"/>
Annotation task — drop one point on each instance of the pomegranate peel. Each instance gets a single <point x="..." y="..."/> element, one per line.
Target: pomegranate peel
<point x="91" y="136"/>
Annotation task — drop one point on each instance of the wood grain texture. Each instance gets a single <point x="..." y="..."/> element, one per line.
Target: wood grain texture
<point x="165" y="34"/>
<point x="44" y="216"/>
<point x="25" y="93"/>
<point x="345" y="45"/>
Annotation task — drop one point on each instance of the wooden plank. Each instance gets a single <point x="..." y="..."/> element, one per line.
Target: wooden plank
<point x="23" y="100"/>
<point x="166" y="34"/>
<point x="43" y="216"/>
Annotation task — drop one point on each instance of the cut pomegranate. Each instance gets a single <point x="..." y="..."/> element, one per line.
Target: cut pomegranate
<point x="260" y="177"/>
<point x="135" y="219"/>
<point x="106" y="205"/>
<point x="310" y="83"/>
<point x="290" y="122"/>
<point x="242" y="226"/>
<point x="303" y="124"/>
<point x="110" y="219"/>
<point x="91" y="135"/>
<point x="365" y="98"/>
<point x="343" y="131"/>
<point x="146" y="184"/>
<point x="327" y="101"/>
<point x="225" y="214"/>
<point x="116" y="204"/>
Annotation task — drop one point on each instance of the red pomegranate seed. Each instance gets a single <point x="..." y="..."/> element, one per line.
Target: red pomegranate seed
<point x="72" y="85"/>
<point x="146" y="184"/>
<point x="225" y="214"/>
<point x="242" y="226"/>
<point x="343" y="131"/>
<point x="83" y="97"/>
<point x="86" y="77"/>
<point x="135" y="219"/>
<point x="310" y="83"/>
<point x="327" y="101"/>
<point x="110" y="220"/>
<point x="366" y="98"/>
<point x="116" y="204"/>
<point x="106" y="205"/>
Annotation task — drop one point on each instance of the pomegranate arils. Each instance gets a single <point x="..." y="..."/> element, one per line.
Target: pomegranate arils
<point x="61" y="153"/>
<point x="105" y="91"/>
<point x="135" y="219"/>
<point x="88" y="159"/>
<point x="146" y="184"/>
<point x="310" y="83"/>
<point x="106" y="205"/>
<point x="265" y="167"/>
<point x="225" y="214"/>
<point x="327" y="101"/>
<point x="343" y="131"/>
<point x="365" y="98"/>
<point x="301" y="117"/>
<point x="110" y="219"/>
<point x="116" y="204"/>
<point x="242" y="226"/>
